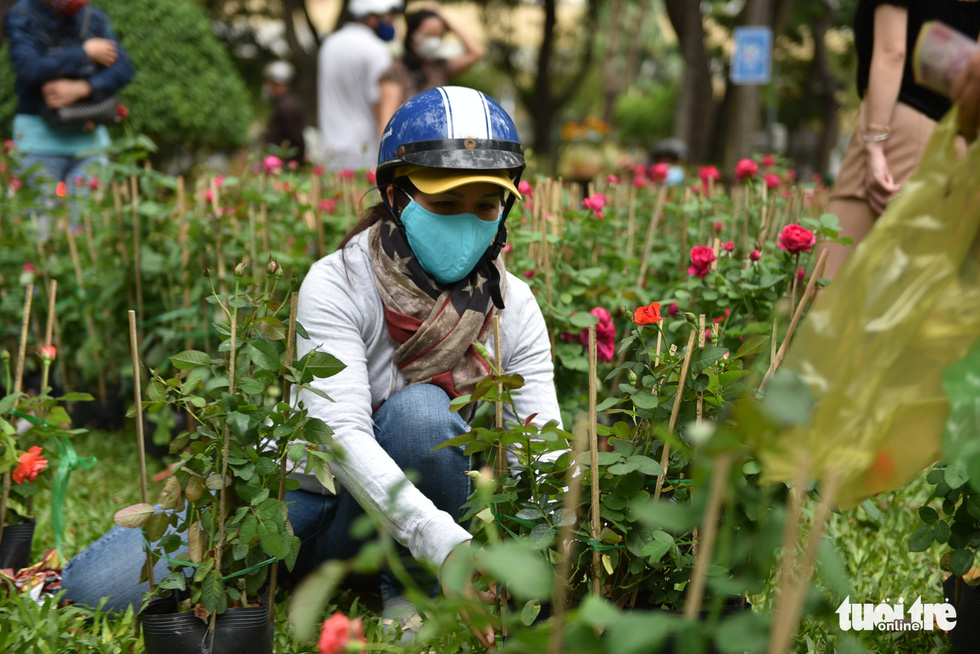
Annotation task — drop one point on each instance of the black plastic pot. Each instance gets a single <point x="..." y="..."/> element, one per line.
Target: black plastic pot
<point x="246" y="630"/>
<point x="15" y="550"/>
<point x="965" y="634"/>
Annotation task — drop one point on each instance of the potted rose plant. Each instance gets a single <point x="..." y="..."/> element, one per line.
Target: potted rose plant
<point x="224" y="501"/>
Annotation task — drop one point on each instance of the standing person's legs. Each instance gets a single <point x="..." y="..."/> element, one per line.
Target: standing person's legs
<point x="51" y="169"/>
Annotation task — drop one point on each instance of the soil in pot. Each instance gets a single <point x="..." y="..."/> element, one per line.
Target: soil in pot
<point x="965" y="634"/>
<point x="244" y="630"/>
<point x="15" y="550"/>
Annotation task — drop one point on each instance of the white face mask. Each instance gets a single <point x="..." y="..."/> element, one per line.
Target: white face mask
<point x="427" y="47"/>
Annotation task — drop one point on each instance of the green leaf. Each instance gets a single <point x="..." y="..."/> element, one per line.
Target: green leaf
<point x="656" y="548"/>
<point x="212" y="591"/>
<point x="272" y="328"/>
<point x="645" y="400"/>
<point x="705" y="356"/>
<point x="270" y="539"/>
<point x="524" y="571"/>
<point x="190" y="359"/>
<point x="323" y="474"/>
<point x="746" y="631"/>
<point x="530" y="612"/>
<point x="72" y="397"/>
<point x="637" y="462"/>
<point x="961" y="562"/>
<point x="928" y="515"/>
<point x="263" y="354"/>
<point x="753" y="345"/>
<point x="675" y="518"/>
<point x="921" y="539"/>
<point x="309" y="598"/>
<point x="320" y="364"/>
<point x="956" y="474"/>
<point x="583" y="320"/>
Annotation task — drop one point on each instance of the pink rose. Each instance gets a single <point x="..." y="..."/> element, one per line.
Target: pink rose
<point x="728" y="246"/>
<point x="673" y="309"/>
<point x="605" y="335"/>
<point x="337" y="631"/>
<point x="708" y="173"/>
<point x="746" y="168"/>
<point x="718" y="226"/>
<point x="755" y="255"/>
<point x="639" y="181"/>
<point x="272" y="164"/>
<point x="595" y="203"/>
<point x="795" y="239"/>
<point x="525" y="189"/>
<point x="772" y="180"/>
<point x="318" y="170"/>
<point x="658" y="172"/>
<point x="768" y="161"/>
<point x="701" y="259"/>
<point x="611" y="179"/>
<point x="327" y="205"/>
<point x="371" y="177"/>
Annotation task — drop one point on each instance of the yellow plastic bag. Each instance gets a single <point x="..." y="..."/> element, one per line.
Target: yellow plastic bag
<point x="903" y="307"/>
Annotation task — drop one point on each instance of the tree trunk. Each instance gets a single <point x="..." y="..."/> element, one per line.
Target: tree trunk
<point x="746" y="99"/>
<point x="826" y="87"/>
<point x="696" y="109"/>
<point x="305" y="61"/>
<point x="542" y="109"/>
<point x="612" y="84"/>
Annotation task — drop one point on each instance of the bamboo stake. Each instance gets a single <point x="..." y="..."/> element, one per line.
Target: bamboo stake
<point x="501" y="454"/>
<point x="264" y="219"/>
<point x="596" y="520"/>
<point x="290" y="348"/>
<point x="791" y="532"/>
<point x="630" y="226"/>
<point x="787" y="620"/>
<point x="665" y="457"/>
<point x="120" y="225"/>
<point x="709" y="531"/>
<point x="701" y="342"/>
<point x="778" y="358"/>
<point x="232" y="358"/>
<point x="566" y="544"/>
<point x="90" y="239"/>
<point x="141" y="452"/>
<point x="651" y="233"/>
<point x="547" y="280"/>
<point x="52" y="297"/>
<point x="18" y="385"/>
<point x="137" y="266"/>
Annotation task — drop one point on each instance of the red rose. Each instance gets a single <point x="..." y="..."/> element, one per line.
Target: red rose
<point x="673" y="309"/>
<point x="647" y="315"/>
<point x="658" y="172"/>
<point x="49" y="352"/>
<point x="32" y="462"/>
<point x="701" y="259"/>
<point x="371" y="177"/>
<point x="772" y="180"/>
<point x="639" y="181"/>
<point x="122" y="111"/>
<point x="755" y="255"/>
<point x="746" y="168"/>
<point x="708" y="172"/>
<point x="728" y="246"/>
<point x="768" y="161"/>
<point x="795" y="239"/>
<point x="318" y="170"/>
<point x="719" y="226"/>
<point x="337" y="631"/>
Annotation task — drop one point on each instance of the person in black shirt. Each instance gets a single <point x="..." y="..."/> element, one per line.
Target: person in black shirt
<point x="288" y="118"/>
<point x="897" y="115"/>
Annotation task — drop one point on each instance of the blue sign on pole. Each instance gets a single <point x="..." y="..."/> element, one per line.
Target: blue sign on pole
<point x="752" y="61"/>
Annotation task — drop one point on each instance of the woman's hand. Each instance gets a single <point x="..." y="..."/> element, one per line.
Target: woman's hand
<point x="60" y="93"/>
<point x="479" y="623"/>
<point x="879" y="185"/>
<point x="966" y="91"/>
<point x="101" y="51"/>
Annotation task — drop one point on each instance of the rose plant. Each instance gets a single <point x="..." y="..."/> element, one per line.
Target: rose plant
<point x="224" y="499"/>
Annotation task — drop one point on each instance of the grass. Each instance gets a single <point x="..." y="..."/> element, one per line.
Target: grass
<point x="868" y="560"/>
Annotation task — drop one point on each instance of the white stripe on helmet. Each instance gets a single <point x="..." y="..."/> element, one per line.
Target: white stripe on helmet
<point x="467" y="113"/>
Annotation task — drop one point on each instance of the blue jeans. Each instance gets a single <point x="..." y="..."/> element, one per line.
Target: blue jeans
<point x="407" y="426"/>
<point x="59" y="168"/>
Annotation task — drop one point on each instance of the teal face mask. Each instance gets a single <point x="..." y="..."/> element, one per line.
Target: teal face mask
<point x="447" y="247"/>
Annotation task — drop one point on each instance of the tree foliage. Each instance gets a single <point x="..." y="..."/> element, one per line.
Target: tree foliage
<point x="186" y="91"/>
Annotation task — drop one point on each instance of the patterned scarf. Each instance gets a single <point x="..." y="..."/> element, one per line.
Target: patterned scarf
<point x="434" y="326"/>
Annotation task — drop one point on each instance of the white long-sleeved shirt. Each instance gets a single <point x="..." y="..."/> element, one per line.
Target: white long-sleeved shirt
<point x="341" y="310"/>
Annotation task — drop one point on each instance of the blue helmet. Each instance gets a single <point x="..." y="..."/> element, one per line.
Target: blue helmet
<point x="450" y="127"/>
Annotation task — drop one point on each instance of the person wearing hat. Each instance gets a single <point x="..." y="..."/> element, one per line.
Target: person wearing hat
<point x="350" y="64"/>
<point x="288" y="118"/>
<point x="415" y="283"/>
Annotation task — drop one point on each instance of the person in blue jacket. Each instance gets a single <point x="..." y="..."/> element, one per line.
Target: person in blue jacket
<point x="62" y="51"/>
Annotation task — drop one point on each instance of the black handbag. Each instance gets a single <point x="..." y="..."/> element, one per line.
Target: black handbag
<point x="87" y="110"/>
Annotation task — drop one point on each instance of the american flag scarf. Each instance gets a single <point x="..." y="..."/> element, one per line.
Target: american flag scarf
<point x="435" y="326"/>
